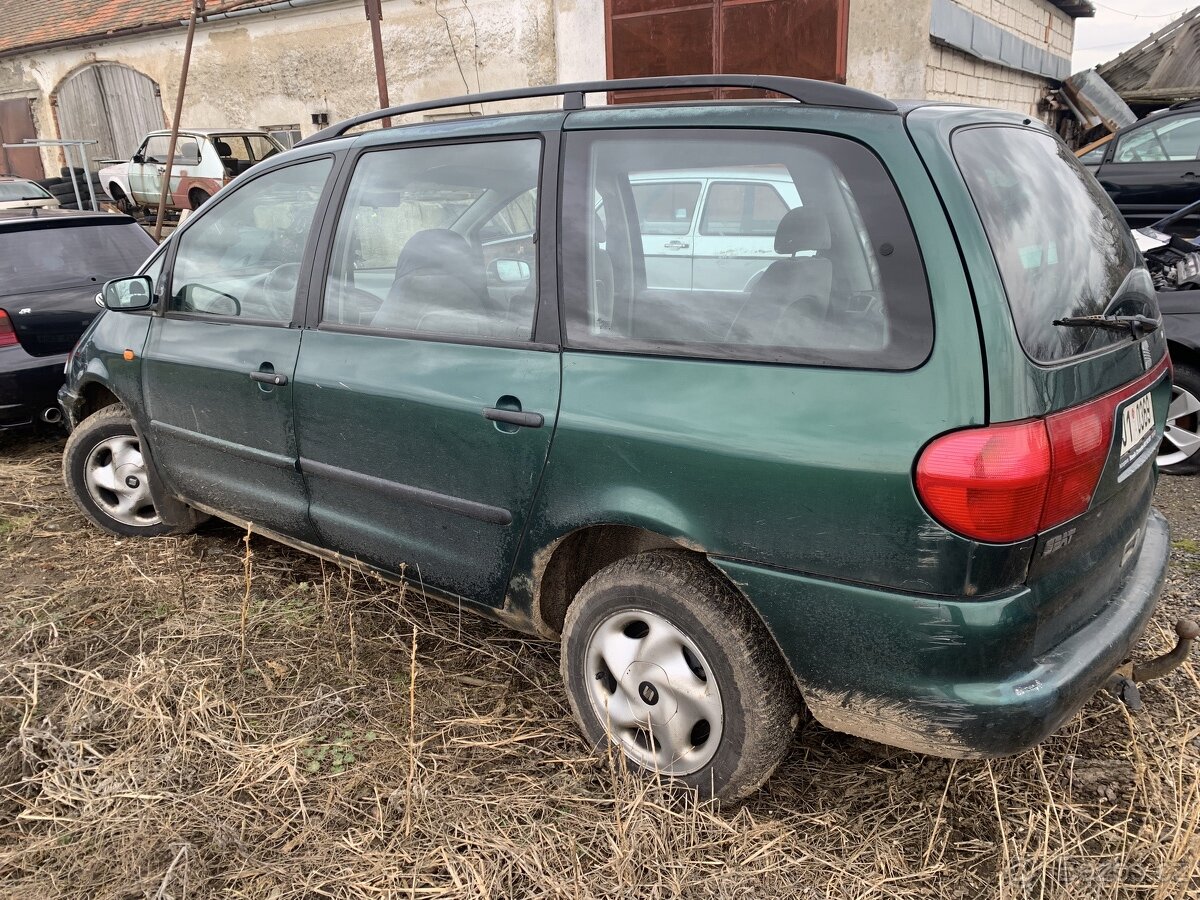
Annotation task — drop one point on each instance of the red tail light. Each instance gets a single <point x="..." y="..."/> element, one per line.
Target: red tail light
<point x="8" y="336"/>
<point x="1005" y="483"/>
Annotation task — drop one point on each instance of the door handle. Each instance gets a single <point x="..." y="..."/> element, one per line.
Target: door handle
<point x="514" y="417"/>
<point x="162" y="170"/>
<point x="676" y="245"/>
<point x="269" y="378"/>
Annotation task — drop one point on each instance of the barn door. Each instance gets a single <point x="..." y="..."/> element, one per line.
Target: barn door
<point x="16" y="124"/>
<point x="112" y="104"/>
<point x="805" y="38"/>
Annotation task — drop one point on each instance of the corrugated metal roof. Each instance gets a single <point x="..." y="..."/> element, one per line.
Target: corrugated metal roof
<point x="1163" y="67"/>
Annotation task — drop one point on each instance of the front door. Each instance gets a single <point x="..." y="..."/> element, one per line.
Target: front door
<point x="1154" y="170"/>
<point x="218" y="365"/>
<point x="424" y="409"/>
<point x="143" y="169"/>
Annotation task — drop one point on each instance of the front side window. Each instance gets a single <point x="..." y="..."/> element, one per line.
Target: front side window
<point x="1060" y="245"/>
<point x="155" y="149"/>
<point x="1173" y="140"/>
<point x="439" y="240"/>
<point x="241" y="257"/>
<point x="835" y="279"/>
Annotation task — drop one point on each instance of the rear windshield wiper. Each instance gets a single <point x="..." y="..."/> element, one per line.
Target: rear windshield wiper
<point x="1136" y="326"/>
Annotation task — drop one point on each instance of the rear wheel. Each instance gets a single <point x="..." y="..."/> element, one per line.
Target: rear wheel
<point x="662" y="658"/>
<point x="1179" y="453"/>
<point x="108" y="478"/>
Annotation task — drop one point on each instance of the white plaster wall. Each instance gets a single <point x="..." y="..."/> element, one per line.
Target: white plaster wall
<point x="280" y="68"/>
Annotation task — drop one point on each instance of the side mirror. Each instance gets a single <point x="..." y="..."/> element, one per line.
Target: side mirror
<point x="138" y="158"/>
<point x="509" y="271"/>
<point x="127" y="294"/>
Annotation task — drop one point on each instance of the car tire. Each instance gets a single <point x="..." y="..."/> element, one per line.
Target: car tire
<point x="1179" y="453"/>
<point x="685" y="643"/>
<point x="107" y="477"/>
<point x="123" y="203"/>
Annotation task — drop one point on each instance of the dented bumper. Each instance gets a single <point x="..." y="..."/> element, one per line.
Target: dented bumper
<point x="955" y="678"/>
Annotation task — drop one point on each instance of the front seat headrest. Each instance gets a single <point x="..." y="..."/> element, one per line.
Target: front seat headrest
<point x="223" y="149"/>
<point x="803" y="228"/>
<point x="440" y="251"/>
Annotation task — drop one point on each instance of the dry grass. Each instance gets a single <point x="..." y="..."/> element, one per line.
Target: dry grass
<point x="203" y="717"/>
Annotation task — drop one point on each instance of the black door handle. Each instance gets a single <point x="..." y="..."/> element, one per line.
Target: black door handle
<point x="269" y="378"/>
<point x="514" y="417"/>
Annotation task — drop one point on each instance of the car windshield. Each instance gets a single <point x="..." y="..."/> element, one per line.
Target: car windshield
<point x="1060" y="244"/>
<point x="41" y="259"/>
<point x="21" y="190"/>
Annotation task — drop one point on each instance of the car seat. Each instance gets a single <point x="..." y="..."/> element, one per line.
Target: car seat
<point x="792" y="296"/>
<point x="439" y="285"/>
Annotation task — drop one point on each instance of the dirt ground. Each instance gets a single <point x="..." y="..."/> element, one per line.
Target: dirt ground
<point x="210" y="717"/>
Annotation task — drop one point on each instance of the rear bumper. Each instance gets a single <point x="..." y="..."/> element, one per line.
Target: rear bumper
<point x="28" y="386"/>
<point x="944" y="677"/>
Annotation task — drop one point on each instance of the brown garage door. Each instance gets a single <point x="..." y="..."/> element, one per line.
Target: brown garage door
<point x="16" y="124"/>
<point x="806" y="38"/>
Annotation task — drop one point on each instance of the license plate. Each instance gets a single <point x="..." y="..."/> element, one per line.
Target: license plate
<point x="1137" y="425"/>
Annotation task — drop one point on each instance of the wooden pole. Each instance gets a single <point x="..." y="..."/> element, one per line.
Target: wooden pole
<point x="197" y="7"/>
<point x="375" y="16"/>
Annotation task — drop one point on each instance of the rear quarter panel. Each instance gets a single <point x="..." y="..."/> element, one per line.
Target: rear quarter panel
<point x="797" y="467"/>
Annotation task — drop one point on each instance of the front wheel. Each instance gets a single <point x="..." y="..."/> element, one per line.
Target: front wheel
<point x="665" y="660"/>
<point x="107" y="477"/>
<point x="1179" y="453"/>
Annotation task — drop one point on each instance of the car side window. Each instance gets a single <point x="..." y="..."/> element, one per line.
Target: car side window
<point x="241" y="257"/>
<point x="156" y="148"/>
<point x="742" y="209"/>
<point x="439" y="240"/>
<point x="1173" y="140"/>
<point x="666" y="207"/>
<point x="840" y="281"/>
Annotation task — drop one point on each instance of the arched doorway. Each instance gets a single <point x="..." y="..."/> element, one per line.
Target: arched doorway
<point x="110" y="103"/>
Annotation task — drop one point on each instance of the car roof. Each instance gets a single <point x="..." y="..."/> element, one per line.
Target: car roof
<point x="209" y="132"/>
<point x="11" y="178"/>
<point x="54" y="217"/>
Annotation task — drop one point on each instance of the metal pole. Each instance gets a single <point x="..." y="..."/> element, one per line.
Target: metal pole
<point x="88" y="176"/>
<point x="197" y="6"/>
<point x="374" y="16"/>
<point x="71" y="168"/>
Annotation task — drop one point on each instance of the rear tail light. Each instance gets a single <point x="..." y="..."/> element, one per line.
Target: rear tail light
<point x="8" y="335"/>
<point x="1005" y="483"/>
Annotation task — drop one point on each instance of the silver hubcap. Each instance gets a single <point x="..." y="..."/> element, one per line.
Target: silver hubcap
<point x="1182" y="437"/>
<point x="116" y="481"/>
<point x="654" y="690"/>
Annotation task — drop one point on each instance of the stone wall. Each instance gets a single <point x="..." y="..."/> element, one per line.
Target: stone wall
<point x="281" y="68"/>
<point x="954" y="75"/>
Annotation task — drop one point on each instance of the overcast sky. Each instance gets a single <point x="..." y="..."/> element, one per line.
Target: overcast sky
<point x="1118" y="25"/>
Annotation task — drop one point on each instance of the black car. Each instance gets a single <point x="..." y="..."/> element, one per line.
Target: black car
<point x="1152" y="167"/>
<point x="52" y="263"/>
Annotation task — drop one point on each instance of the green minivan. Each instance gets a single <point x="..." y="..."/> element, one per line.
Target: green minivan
<point x="898" y="473"/>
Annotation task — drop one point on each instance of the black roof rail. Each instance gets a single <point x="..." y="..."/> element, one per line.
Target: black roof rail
<point x="805" y="90"/>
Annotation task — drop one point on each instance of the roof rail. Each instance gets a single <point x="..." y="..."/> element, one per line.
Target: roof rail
<point x="805" y="90"/>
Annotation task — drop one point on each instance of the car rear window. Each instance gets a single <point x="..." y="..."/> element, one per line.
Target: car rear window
<point x="1060" y="244"/>
<point x="21" y="190"/>
<point x="44" y="258"/>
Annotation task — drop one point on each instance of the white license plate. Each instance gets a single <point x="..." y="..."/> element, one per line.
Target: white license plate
<point x="1137" y="421"/>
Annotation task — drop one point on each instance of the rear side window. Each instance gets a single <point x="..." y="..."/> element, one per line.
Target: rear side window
<point x="804" y="252"/>
<point x="1060" y="244"/>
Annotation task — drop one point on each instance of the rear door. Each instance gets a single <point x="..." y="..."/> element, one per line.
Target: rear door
<point x="1154" y="170"/>
<point x="1062" y="250"/>
<point x="666" y="211"/>
<point x="218" y="364"/>
<point x="424" y="403"/>
<point x="735" y="239"/>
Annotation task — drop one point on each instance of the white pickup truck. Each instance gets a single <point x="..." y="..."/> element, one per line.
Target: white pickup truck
<point x="205" y="161"/>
